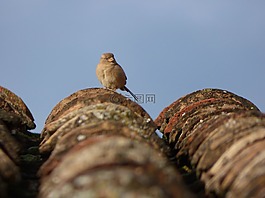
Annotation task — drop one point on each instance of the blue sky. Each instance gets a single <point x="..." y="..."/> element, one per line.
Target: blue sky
<point x="50" y="49"/>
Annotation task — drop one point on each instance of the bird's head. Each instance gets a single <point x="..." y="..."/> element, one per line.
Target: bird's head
<point x="108" y="57"/>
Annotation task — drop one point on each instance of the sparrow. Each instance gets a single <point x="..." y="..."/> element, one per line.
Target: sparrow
<point x="111" y="75"/>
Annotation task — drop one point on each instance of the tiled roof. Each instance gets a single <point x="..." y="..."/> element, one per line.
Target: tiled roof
<point x="97" y="143"/>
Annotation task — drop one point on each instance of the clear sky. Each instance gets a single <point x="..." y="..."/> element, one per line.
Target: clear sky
<point x="49" y="49"/>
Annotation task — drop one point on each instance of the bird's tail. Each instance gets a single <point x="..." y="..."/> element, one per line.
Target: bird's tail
<point x="133" y="95"/>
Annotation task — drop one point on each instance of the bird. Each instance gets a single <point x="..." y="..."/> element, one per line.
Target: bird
<point x="111" y="75"/>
